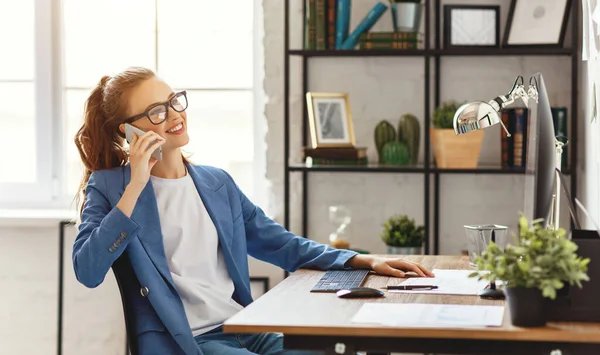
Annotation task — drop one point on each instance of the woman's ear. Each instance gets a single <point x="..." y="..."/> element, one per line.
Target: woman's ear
<point x="122" y="128"/>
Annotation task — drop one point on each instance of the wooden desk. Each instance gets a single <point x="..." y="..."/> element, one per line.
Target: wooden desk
<point x="323" y="321"/>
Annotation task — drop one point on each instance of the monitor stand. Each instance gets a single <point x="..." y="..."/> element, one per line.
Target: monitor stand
<point x="492" y="293"/>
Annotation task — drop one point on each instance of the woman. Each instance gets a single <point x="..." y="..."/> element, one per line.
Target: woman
<point x="177" y="234"/>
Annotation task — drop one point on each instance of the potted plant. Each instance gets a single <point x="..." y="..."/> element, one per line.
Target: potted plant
<point x="450" y="150"/>
<point x="541" y="262"/>
<point x="398" y="148"/>
<point x="402" y="236"/>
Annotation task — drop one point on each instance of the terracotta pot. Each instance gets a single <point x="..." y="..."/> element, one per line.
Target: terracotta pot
<point x="456" y="152"/>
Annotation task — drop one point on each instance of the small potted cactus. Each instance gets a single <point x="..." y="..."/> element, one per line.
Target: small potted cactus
<point x="398" y="148"/>
<point x="402" y="236"/>
<point x="452" y="151"/>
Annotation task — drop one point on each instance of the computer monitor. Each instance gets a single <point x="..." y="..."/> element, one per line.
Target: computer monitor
<point x="540" y="159"/>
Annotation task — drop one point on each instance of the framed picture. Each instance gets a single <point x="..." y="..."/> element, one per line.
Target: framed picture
<point x="330" y="120"/>
<point x="471" y="26"/>
<point x="540" y="23"/>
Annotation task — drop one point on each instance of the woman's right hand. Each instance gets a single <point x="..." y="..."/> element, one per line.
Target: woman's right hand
<point x="140" y="156"/>
<point x="141" y="163"/>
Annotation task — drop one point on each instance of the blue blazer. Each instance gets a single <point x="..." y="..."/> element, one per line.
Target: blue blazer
<point x="133" y="247"/>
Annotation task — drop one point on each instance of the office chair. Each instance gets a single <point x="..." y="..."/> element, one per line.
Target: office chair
<point x="131" y="341"/>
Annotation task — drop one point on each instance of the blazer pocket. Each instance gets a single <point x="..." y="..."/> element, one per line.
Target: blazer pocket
<point x="148" y="323"/>
<point x="157" y="342"/>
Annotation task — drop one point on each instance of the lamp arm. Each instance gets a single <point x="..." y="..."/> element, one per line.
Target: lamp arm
<point x="557" y="165"/>
<point x="502" y="101"/>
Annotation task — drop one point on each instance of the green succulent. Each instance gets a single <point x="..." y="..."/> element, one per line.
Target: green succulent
<point x="541" y="258"/>
<point x="402" y="231"/>
<point x="443" y="116"/>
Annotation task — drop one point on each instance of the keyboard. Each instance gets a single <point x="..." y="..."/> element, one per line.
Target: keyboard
<point x="335" y="280"/>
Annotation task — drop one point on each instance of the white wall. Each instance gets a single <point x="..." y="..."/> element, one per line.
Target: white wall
<point x="92" y="318"/>
<point x="590" y="195"/>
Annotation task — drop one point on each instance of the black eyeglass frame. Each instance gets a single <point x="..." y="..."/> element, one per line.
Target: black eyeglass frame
<point x="166" y="104"/>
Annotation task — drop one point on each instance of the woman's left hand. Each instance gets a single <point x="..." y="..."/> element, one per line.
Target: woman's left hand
<point x="388" y="266"/>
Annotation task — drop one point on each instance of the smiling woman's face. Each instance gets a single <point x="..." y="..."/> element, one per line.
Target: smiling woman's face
<point x="151" y="95"/>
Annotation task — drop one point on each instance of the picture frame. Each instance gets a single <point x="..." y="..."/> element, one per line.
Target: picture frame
<point x="468" y="26"/>
<point x="537" y="23"/>
<point x="330" y="120"/>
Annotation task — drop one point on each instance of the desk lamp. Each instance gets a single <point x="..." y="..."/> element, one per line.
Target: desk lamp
<point x="477" y="115"/>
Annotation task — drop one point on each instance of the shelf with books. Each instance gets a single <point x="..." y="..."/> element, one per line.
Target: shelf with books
<point x="368" y="168"/>
<point x="381" y="168"/>
<point x="357" y="52"/>
<point x="488" y="170"/>
<point x="481" y="170"/>
<point x="527" y="51"/>
<point x="321" y="40"/>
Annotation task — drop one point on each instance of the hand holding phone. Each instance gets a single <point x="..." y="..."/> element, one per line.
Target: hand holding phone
<point x="130" y="129"/>
<point x="145" y="151"/>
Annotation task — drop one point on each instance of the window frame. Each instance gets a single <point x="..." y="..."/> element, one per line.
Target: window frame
<point x="43" y="191"/>
<point x="50" y="190"/>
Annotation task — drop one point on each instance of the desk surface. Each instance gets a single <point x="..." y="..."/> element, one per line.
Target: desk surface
<point x="291" y="308"/>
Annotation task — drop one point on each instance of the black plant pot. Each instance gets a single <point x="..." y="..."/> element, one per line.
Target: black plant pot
<point x="526" y="306"/>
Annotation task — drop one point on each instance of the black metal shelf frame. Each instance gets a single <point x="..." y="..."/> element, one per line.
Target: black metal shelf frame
<point x="431" y="52"/>
<point x="428" y="169"/>
<point x="377" y="168"/>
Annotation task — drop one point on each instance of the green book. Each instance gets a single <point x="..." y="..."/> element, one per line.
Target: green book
<point x="559" y="118"/>
<point x="310" y="25"/>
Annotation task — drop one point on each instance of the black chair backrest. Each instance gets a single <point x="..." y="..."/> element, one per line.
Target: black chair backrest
<point x="121" y="265"/>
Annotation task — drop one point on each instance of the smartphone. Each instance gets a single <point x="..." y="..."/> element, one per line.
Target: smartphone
<point x="129" y="130"/>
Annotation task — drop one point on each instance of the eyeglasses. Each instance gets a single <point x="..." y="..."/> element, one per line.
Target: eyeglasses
<point x="158" y="113"/>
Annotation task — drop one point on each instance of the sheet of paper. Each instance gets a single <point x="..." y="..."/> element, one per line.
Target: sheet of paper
<point x="449" y="282"/>
<point x="430" y="315"/>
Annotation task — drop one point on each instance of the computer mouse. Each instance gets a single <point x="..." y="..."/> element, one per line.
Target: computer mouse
<point x="359" y="292"/>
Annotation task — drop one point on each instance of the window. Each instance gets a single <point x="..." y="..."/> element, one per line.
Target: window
<point x="197" y="45"/>
<point x="24" y="110"/>
<point x="17" y="96"/>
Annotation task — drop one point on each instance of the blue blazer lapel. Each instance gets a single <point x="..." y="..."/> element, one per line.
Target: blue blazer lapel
<point x="215" y="198"/>
<point x="145" y="214"/>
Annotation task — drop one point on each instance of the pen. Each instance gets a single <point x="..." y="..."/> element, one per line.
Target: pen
<point x="411" y="287"/>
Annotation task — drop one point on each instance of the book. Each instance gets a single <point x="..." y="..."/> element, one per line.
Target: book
<point x="331" y="9"/>
<point x="310" y="25"/>
<point x="365" y="25"/>
<point x="336" y="153"/>
<point x="559" y="118"/>
<point x="342" y="22"/>
<point x="385" y="36"/>
<point x="520" y="137"/>
<point x="323" y="161"/>
<point x="386" y="45"/>
<point x="506" y="141"/>
<point x="514" y="148"/>
<point x="320" y="26"/>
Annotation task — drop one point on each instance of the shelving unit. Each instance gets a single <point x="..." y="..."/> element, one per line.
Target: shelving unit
<point x="430" y="55"/>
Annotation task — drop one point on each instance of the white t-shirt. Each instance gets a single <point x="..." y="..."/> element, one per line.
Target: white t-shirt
<point x="194" y="255"/>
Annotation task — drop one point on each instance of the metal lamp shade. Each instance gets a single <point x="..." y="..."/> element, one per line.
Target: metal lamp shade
<point x="475" y="115"/>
